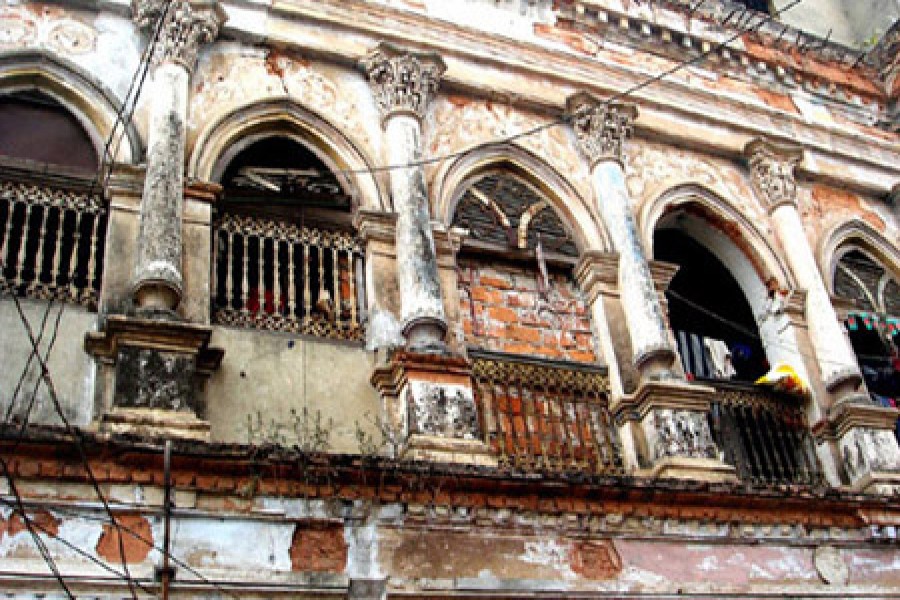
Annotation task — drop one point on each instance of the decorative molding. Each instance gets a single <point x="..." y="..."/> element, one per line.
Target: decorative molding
<point x="403" y="82"/>
<point x="600" y="126"/>
<point x="188" y="25"/>
<point x="682" y="433"/>
<point x="772" y="171"/>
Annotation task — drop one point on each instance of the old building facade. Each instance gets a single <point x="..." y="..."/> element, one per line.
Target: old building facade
<point x="581" y="298"/>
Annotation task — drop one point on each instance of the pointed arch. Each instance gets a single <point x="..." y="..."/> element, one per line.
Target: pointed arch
<point x="452" y="182"/>
<point x="854" y="234"/>
<point x="723" y="217"/>
<point x="224" y="138"/>
<point x="95" y="108"/>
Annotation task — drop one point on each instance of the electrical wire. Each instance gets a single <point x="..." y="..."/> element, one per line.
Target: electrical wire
<point x="18" y="507"/>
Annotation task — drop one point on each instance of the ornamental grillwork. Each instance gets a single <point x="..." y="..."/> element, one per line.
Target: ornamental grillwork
<point x="52" y="242"/>
<point x="281" y="276"/>
<point x="764" y="436"/>
<point x="547" y="417"/>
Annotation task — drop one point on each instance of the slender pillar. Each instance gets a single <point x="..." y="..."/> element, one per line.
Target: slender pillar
<point x="404" y="84"/>
<point x="601" y="129"/>
<point x="772" y="168"/>
<point x="158" y="283"/>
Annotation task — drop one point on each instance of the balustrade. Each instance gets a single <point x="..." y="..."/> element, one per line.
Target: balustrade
<point x="281" y="276"/>
<point x="546" y="416"/>
<point x="52" y="241"/>
<point x="764" y="435"/>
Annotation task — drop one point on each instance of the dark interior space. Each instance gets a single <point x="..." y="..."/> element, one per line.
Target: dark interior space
<point x="704" y="299"/>
<point x="35" y="127"/>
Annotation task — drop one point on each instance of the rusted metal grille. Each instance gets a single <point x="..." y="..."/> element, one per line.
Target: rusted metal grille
<point x="546" y="416"/>
<point x="280" y="276"/>
<point x="52" y="242"/>
<point x="764" y="436"/>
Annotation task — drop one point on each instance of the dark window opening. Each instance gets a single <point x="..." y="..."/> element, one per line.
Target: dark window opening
<point x="764" y="6"/>
<point x="35" y="127"/>
<point x="707" y="305"/>
<point x="286" y="255"/>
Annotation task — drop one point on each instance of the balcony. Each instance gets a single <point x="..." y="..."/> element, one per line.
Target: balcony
<point x="764" y="435"/>
<point x="53" y="235"/>
<point x="280" y="276"/>
<point x="545" y="416"/>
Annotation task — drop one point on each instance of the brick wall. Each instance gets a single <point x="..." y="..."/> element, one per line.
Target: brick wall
<point x="502" y="310"/>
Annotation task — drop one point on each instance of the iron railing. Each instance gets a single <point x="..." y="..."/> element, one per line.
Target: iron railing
<point x="280" y="276"/>
<point x="546" y="416"/>
<point x="764" y="435"/>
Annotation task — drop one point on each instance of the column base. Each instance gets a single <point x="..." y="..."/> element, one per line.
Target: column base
<point x="673" y="431"/>
<point x="149" y="375"/>
<point x="695" y="469"/>
<point x="154" y="423"/>
<point x="448" y="450"/>
<point x="429" y="398"/>
<point x="868" y="450"/>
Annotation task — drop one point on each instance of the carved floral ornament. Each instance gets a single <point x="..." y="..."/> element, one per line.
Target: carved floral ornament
<point x="188" y="25"/>
<point x="403" y="82"/>
<point x="772" y="171"/>
<point x="601" y="127"/>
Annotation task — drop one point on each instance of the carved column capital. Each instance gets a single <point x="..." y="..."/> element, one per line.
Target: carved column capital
<point x="772" y="171"/>
<point x="601" y="127"/>
<point x="187" y="25"/>
<point x="403" y="82"/>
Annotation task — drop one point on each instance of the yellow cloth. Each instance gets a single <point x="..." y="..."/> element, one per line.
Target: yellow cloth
<point x="783" y="378"/>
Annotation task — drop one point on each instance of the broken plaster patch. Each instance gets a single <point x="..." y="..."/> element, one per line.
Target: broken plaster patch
<point x="549" y="553"/>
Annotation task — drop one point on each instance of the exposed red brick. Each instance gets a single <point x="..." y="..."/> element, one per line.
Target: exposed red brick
<point x="495" y="282"/>
<point x="133" y="540"/>
<point x="524" y="334"/>
<point x="507" y="315"/>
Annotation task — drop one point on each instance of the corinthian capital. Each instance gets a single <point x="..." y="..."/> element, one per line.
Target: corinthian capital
<point x="403" y="81"/>
<point x="772" y="171"/>
<point x="186" y="26"/>
<point x="601" y="127"/>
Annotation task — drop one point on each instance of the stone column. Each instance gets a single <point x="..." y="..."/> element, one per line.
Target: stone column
<point x="601" y="129"/>
<point x="665" y="415"/>
<point x="772" y="169"/>
<point x="158" y="283"/>
<point x="404" y="84"/>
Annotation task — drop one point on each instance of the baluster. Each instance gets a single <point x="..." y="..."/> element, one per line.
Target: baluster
<point x="755" y="462"/>
<point x="320" y="252"/>
<point x="245" y="273"/>
<point x="92" y="260"/>
<point x="291" y="296"/>
<point x="260" y="274"/>
<point x="228" y="238"/>
<point x="336" y="283"/>
<point x="765" y="427"/>
<point x="276" y="276"/>
<point x="360" y="273"/>
<point x="4" y="249"/>
<point x="307" y="301"/>
<point x="20" y="258"/>
<point x="568" y="432"/>
<point x="39" y="254"/>
<point x="582" y="435"/>
<point x="541" y="425"/>
<point x="74" y="260"/>
<point x="57" y="252"/>
<point x="351" y="282"/>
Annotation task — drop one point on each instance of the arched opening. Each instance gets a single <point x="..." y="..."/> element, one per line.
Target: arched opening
<point x="873" y="322"/>
<point x="286" y="257"/>
<point x="52" y="216"/>
<point x="763" y="432"/>
<point x="520" y="303"/>
<point x="714" y="325"/>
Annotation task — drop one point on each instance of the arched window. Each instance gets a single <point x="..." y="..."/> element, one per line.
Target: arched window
<point x="873" y="322"/>
<point x="286" y="257"/>
<point x="518" y="303"/>
<point x="515" y="265"/>
<point x="52" y="216"/>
